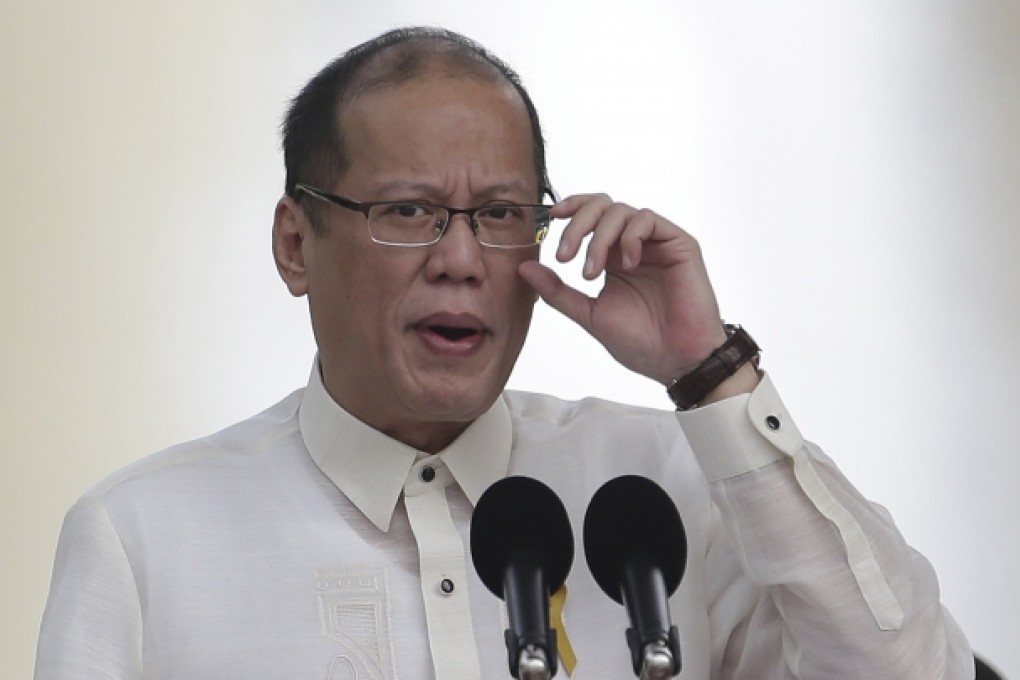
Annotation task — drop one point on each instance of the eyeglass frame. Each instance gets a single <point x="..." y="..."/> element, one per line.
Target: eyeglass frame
<point x="365" y="207"/>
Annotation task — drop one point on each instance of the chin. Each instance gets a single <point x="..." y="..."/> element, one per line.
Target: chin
<point x="457" y="404"/>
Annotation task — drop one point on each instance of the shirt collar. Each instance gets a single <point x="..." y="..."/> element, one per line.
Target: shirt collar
<point x="371" y="468"/>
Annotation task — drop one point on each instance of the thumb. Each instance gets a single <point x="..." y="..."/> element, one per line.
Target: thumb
<point x="568" y="301"/>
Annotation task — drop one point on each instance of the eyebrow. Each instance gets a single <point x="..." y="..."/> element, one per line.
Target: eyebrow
<point x="434" y="191"/>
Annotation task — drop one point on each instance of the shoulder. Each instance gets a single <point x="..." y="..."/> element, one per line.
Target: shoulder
<point x="596" y="429"/>
<point x="236" y="445"/>
<point x="536" y="410"/>
<point x="538" y="406"/>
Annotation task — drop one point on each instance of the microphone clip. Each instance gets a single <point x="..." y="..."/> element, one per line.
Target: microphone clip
<point x="656" y="655"/>
<point x="529" y="661"/>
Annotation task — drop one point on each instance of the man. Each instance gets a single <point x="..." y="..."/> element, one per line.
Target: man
<point x="326" y="536"/>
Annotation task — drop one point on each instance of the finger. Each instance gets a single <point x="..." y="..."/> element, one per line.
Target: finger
<point x="641" y="227"/>
<point x="606" y="237"/>
<point x="584" y="211"/>
<point x="568" y="206"/>
<point x="572" y="303"/>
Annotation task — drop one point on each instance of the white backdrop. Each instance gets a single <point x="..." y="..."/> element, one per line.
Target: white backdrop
<point x="850" y="169"/>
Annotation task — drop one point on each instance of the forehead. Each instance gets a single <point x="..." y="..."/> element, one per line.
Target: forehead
<point x="410" y="98"/>
<point x="437" y="121"/>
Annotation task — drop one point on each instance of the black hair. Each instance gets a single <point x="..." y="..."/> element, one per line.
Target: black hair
<point x="313" y="143"/>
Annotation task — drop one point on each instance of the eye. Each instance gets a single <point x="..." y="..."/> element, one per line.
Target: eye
<point x="406" y="211"/>
<point x="502" y="213"/>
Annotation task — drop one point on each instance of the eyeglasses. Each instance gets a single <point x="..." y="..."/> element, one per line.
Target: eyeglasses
<point x="417" y="223"/>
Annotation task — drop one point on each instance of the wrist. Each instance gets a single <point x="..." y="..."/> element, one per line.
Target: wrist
<point x="743" y="381"/>
<point x="730" y="369"/>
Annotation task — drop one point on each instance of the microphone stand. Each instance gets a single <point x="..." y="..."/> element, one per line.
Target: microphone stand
<point x="654" y="642"/>
<point x="530" y="642"/>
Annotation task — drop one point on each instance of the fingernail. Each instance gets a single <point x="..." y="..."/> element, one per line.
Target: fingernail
<point x="589" y="267"/>
<point x="625" y="261"/>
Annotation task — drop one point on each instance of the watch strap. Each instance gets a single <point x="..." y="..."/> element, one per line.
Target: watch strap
<point x="689" y="390"/>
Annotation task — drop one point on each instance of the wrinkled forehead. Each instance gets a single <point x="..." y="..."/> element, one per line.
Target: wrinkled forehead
<point x="444" y="129"/>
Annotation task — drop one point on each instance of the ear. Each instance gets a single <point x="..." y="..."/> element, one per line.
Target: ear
<point x="291" y="230"/>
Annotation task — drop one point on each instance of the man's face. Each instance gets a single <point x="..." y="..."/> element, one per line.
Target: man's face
<point x="418" y="342"/>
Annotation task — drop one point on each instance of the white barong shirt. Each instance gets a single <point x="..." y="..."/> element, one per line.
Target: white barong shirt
<point x="303" y="544"/>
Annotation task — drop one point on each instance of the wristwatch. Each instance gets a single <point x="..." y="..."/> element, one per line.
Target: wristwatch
<point x="689" y="390"/>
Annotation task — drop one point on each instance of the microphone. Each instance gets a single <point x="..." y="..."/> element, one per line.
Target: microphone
<point x="636" y="548"/>
<point x="522" y="549"/>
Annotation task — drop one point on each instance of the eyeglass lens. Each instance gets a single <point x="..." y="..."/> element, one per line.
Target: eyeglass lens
<point x="420" y="223"/>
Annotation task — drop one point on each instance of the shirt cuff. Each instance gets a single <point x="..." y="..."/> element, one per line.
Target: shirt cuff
<point x="742" y="433"/>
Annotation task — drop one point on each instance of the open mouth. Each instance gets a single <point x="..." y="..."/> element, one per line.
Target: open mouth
<point x="453" y="333"/>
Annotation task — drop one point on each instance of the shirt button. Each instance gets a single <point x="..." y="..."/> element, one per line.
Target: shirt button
<point x="772" y="423"/>
<point x="446" y="586"/>
<point x="427" y="473"/>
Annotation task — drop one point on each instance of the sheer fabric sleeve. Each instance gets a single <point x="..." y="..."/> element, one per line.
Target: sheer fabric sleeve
<point x="91" y="627"/>
<point x="843" y="596"/>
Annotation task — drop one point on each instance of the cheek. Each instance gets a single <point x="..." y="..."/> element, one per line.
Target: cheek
<point x="523" y="295"/>
<point x="382" y="305"/>
<point x="346" y="296"/>
<point x="375" y="310"/>
<point x="519" y="302"/>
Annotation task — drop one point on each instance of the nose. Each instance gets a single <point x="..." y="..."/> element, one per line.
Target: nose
<point x="457" y="256"/>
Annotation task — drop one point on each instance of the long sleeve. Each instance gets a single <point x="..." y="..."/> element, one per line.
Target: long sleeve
<point x="91" y="627"/>
<point x="843" y="595"/>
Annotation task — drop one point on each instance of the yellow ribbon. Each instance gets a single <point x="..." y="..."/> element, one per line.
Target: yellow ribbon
<point x="566" y="652"/>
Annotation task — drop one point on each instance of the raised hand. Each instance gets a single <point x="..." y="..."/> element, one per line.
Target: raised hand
<point x="657" y="313"/>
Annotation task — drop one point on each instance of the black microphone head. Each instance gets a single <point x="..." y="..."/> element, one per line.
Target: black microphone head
<point x="518" y="517"/>
<point x="631" y="516"/>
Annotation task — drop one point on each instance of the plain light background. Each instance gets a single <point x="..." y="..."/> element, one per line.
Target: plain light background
<point x="850" y="168"/>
